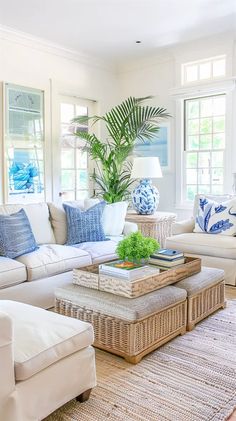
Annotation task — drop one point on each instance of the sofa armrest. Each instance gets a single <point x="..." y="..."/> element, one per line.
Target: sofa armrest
<point x="7" y="384"/>
<point x="129" y="227"/>
<point x="184" y="226"/>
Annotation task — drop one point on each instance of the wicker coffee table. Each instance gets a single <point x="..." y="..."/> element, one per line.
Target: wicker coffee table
<point x="123" y="326"/>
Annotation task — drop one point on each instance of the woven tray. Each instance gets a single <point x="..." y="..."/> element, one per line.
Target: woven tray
<point x="90" y="278"/>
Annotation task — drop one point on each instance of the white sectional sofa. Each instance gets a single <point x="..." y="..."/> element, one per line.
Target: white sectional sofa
<point x="32" y="278"/>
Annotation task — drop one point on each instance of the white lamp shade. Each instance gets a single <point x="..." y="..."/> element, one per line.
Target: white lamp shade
<point x="146" y="167"/>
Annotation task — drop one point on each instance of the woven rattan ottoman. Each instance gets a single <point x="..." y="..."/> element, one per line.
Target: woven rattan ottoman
<point x="127" y="327"/>
<point x="205" y="292"/>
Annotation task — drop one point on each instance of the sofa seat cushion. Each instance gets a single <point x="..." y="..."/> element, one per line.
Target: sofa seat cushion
<point x="100" y="251"/>
<point x="51" y="259"/>
<point x="41" y="337"/>
<point x="204" y="244"/>
<point x="11" y="272"/>
<point x="207" y="278"/>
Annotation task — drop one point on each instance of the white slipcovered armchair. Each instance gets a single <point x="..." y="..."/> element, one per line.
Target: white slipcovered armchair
<point x="215" y="250"/>
<point x="45" y="360"/>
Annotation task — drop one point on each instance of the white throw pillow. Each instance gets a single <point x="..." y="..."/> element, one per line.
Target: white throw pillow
<point x="113" y="217"/>
<point x="216" y="218"/>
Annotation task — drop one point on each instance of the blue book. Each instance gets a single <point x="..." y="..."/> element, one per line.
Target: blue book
<point x="167" y="254"/>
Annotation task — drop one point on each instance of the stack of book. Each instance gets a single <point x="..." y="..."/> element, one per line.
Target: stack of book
<point x="126" y="270"/>
<point x="167" y="258"/>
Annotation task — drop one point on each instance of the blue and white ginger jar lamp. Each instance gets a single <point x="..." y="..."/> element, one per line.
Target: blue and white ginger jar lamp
<point x="146" y="196"/>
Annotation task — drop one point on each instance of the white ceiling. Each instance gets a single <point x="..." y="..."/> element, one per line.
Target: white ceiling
<point x="109" y="28"/>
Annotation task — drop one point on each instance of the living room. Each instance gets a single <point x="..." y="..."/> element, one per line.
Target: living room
<point x="145" y="352"/>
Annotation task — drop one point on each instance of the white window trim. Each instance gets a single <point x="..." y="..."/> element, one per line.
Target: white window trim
<point x="209" y="60"/>
<point x="187" y="93"/>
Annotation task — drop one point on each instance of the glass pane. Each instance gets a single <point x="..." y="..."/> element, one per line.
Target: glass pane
<point x="219" y="105"/>
<point x="204" y="176"/>
<point x="191" y="192"/>
<point x="218" y="124"/>
<point x="217" y="176"/>
<point x="217" y="159"/>
<point x="205" y="125"/>
<point x="67" y="113"/>
<point x="82" y="179"/>
<point x="191" y="73"/>
<point x="205" y="70"/>
<point x="24" y="114"/>
<point x="67" y="158"/>
<point x="193" y="126"/>
<point x="219" y="67"/>
<point x="219" y="141"/>
<point x="204" y="159"/>
<point x="193" y="109"/>
<point x="68" y="195"/>
<point x="203" y="189"/>
<point x="191" y="160"/>
<point x="205" y="142"/>
<point x="81" y="111"/>
<point x="25" y="171"/>
<point x="206" y="107"/>
<point x="217" y="189"/>
<point x="67" y="179"/>
<point x="82" y="194"/>
<point x="193" y="142"/>
<point x="67" y="129"/>
<point x="81" y="159"/>
<point x="191" y="176"/>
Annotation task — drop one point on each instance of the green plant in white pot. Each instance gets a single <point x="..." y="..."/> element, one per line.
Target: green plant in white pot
<point x="126" y="123"/>
<point x="136" y="248"/>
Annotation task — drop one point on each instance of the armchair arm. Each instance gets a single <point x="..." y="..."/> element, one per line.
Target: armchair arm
<point x="129" y="227"/>
<point x="184" y="226"/>
<point x="7" y="379"/>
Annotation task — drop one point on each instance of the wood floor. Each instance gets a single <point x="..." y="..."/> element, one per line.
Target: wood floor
<point x="230" y="292"/>
<point x="231" y="295"/>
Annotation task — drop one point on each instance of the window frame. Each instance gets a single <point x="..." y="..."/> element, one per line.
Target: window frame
<point x="198" y="63"/>
<point x="180" y="97"/>
<point x="185" y="150"/>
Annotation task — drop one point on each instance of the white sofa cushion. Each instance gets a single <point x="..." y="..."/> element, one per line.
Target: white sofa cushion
<point x="58" y="219"/>
<point x="100" y="251"/>
<point x="204" y="244"/>
<point x="113" y="217"/>
<point x="51" y="259"/>
<point x="216" y="218"/>
<point x="11" y="272"/>
<point x="38" y="214"/>
<point x="41" y="337"/>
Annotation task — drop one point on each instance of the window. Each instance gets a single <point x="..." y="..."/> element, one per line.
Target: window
<point x="204" y="70"/>
<point x="74" y="161"/>
<point x="204" y="145"/>
<point x="24" y="144"/>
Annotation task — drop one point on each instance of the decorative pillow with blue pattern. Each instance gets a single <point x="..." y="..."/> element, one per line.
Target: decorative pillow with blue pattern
<point x="16" y="236"/>
<point x="84" y="226"/>
<point x="216" y="218"/>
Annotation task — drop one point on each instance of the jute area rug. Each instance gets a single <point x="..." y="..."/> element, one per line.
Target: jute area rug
<point x="192" y="378"/>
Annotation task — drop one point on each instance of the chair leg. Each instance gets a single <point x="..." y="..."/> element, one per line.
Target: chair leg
<point x="83" y="397"/>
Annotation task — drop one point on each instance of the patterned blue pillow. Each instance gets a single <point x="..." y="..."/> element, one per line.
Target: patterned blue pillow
<point x="16" y="236"/>
<point x="84" y="226"/>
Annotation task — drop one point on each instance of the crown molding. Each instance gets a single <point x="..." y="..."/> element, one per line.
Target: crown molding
<point x="37" y="43"/>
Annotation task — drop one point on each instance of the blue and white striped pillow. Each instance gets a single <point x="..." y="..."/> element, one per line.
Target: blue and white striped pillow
<point x="84" y="226"/>
<point x="16" y="236"/>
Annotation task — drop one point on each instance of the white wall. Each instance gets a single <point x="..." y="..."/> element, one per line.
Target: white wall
<point x="27" y="62"/>
<point x="158" y="76"/>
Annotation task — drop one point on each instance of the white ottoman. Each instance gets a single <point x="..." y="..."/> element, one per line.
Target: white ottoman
<point x="45" y="361"/>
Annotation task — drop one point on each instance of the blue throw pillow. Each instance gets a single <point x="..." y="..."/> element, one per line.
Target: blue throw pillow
<point x="84" y="226"/>
<point x="16" y="236"/>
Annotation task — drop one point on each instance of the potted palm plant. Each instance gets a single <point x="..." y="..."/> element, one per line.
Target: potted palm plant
<point x="126" y="123"/>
